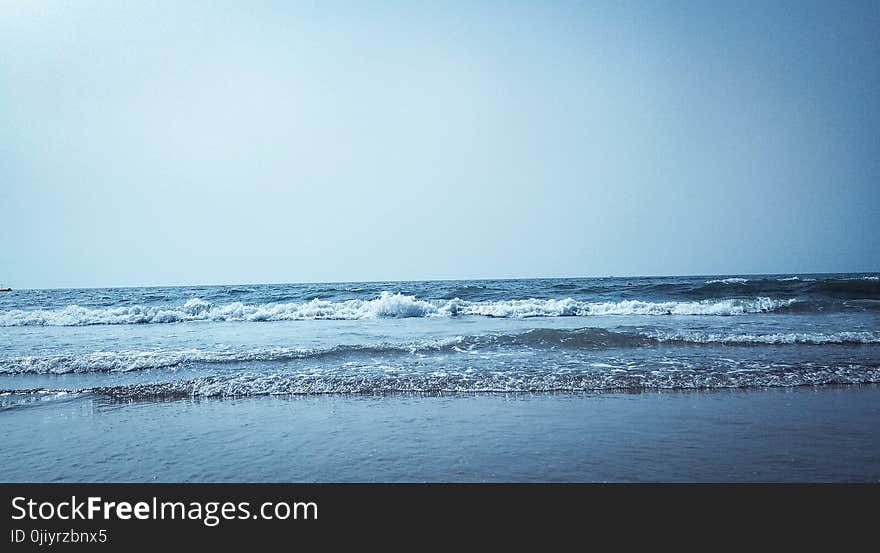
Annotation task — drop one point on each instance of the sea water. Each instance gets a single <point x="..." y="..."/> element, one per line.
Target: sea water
<point x="124" y="359"/>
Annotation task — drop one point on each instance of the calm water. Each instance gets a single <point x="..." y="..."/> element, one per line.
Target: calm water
<point x="159" y="360"/>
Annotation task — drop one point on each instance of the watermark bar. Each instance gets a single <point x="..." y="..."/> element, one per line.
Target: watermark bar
<point x="111" y="516"/>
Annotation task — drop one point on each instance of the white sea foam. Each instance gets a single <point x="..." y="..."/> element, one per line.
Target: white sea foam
<point x="727" y="281"/>
<point x="126" y="361"/>
<point x="387" y="305"/>
<point x="704" y="307"/>
<point x="196" y="309"/>
<point x="682" y="375"/>
<point x="517" y="308"/>
<point x="817" y="338"/>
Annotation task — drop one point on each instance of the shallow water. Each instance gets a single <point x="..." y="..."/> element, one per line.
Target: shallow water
<point x="470" y="336"/>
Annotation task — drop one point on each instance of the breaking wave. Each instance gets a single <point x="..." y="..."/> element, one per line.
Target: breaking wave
<point x="387" y="305"/>
<point x="733" y="280"/>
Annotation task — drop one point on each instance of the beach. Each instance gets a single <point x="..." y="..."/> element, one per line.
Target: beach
<point x="804" y="434"/>
<point x="731" y="378"/>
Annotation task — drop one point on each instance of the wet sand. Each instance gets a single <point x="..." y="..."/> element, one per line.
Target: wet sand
<point x="824" y="434"/>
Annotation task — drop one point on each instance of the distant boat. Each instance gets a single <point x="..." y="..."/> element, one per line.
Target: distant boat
<point x="5" y="289"/>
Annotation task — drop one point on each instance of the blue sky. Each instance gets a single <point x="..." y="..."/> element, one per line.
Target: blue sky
<point x="220" y="142"/>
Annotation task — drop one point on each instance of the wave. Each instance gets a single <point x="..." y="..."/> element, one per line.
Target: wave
<point x="601" y="338"/>
<point x="542" y="338"/>
<point x="35" y="396"/>
<point x="197" y="309"/>
<point x="387" y="305"/>
<point x="516" y="380"/>
<point x="704" y="307"/>
<point x="862" y="287"/>
<point x="128" y="361"/>
<point x="778" y="338"/>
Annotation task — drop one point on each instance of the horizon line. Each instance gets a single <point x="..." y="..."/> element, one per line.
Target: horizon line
<point x="376" y="281"/>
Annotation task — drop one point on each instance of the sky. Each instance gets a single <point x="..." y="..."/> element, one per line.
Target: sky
<point x="161" y="143"/>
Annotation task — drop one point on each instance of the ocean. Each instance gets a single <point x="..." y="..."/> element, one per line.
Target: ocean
<point x="724" y="378"/>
